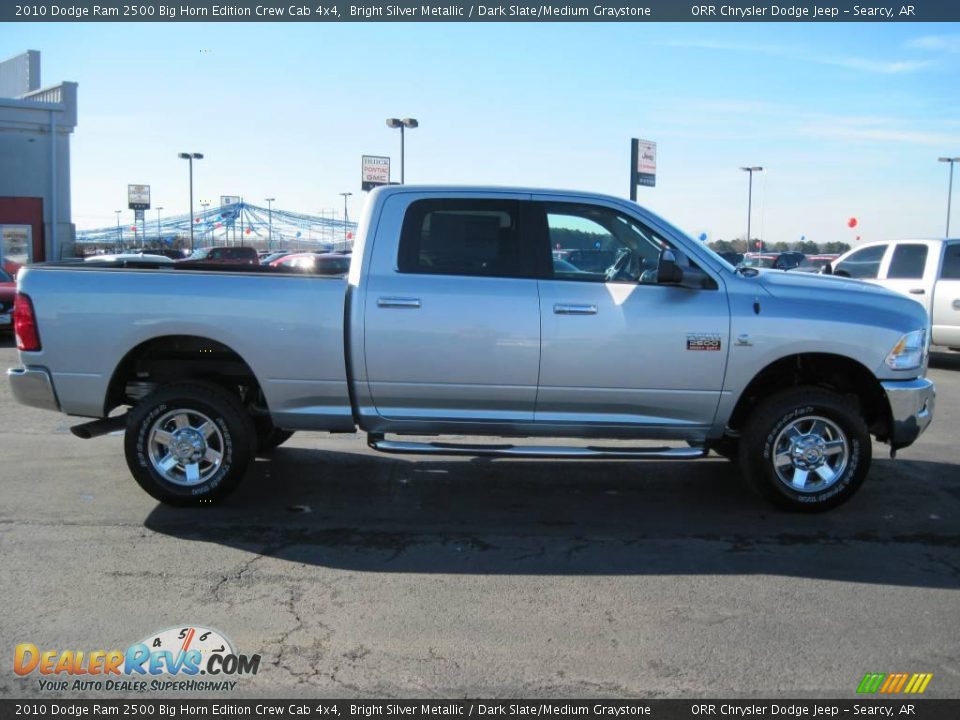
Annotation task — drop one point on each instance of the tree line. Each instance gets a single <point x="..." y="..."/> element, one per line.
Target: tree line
<point x="808" y="247"/>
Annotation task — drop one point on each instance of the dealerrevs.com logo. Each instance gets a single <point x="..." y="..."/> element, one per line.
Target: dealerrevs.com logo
<point x="182" y="654"/>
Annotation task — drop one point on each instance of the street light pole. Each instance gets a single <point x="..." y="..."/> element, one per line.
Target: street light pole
<point x="270" y="202"/>
<point x="158" y="223"/>
<point x="751" y="171"/>
<point x="950" y="160"/>
<point x="190" y="157"/>
<point x="119" y="231"/>
<point x="345" y="218"/>
<point x="402" y="124"/>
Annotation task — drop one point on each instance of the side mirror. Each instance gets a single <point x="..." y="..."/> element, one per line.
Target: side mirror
<point x="668" y="272"/>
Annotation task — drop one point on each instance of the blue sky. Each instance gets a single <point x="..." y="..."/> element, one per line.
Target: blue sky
<point x="849" y="119"/>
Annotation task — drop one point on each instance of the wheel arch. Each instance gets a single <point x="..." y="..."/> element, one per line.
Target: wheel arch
<point x="838" y="373"/>
<point x="166" y="358"/>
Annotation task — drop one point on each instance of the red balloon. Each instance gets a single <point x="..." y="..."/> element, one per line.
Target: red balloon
<point x="133" y="227"/>
<point x="196" y="219"/>
<point x="349" y="236"/>
<point x="852" y="222"/>
<point x="858" y="237"/>
<point x="217" y="225"/>
<point x="248" y="231"/>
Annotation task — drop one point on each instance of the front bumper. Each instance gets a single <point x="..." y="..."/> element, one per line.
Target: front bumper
<point x="33" y="387"/>
<point x="911" y="409"/>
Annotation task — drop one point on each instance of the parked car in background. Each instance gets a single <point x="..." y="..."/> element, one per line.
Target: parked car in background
<point x="129" y="259"/>
<point x="734" y="258"/>
<point x="272" y="257"/>
<point x="224" y="256"/>
<point x="815" y="263"/>
<point x="926" y="270"/>
<point x="315" y="263"/>
<point x="776" y="261"/>
<point x="8" y="289"/>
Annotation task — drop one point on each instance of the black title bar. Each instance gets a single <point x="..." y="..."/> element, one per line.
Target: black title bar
<point x="903" y="708"/>
<point x="441" y="11"/>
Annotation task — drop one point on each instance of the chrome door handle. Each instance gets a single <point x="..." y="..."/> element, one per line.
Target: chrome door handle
<point x="399" y="302"/>
<point x="917" y="291"/>
<point x="568" y="309"/>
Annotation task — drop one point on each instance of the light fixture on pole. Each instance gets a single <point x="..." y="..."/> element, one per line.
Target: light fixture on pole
<point x="190" y="157"/>
<point x="950" y="160"/>
<point x="402" y="124"/>
<point x="345" y="217"/>
<point x="270" y="202"/>
<point x="751" y="171"/>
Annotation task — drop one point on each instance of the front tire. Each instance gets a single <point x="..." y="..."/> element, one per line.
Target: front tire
<point x="805" y="449"/>
<point x="189" y="443"/>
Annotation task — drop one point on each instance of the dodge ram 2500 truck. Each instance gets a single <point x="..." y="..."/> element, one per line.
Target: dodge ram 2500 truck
<point x="491" y="312"/>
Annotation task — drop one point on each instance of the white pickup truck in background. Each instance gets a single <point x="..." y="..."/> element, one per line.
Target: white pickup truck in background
<point x="926" y="270"/>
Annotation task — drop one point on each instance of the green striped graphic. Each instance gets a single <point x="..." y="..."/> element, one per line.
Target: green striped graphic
<point x="871" y="682"/>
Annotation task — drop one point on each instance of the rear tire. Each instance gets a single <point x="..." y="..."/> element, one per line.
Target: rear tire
<point x="189" y="443"/>
<point x="805" y="449"/>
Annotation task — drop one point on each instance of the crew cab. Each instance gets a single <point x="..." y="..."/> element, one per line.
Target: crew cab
<point x="454" y="319"/>
<point x="926" y="270"/>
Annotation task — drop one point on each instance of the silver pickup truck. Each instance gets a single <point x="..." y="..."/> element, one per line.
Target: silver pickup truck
<point x="491" y="312"/>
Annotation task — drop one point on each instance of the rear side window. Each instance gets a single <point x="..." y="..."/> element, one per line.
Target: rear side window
<point x="462" y="237"/>
<point x="951" y="263"/>
<point x="863" y="263"/>
<point x="908" y="262"/>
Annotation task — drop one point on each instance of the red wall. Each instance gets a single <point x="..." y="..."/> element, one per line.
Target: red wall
<point x="25" y="211"/>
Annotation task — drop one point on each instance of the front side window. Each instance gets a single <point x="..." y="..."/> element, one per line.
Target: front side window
<point x="462" y="237"/>
<point x="591" y="243"/>
<point x="908" y="262"/>
<point x="863" y="264"/>
<point x="951" y="263"/>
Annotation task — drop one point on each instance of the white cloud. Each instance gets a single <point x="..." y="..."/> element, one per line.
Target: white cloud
<point x="942" y="43"/>
<point x="883" y="67"/>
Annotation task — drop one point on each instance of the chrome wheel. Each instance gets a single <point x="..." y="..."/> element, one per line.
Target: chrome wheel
<point x="185" y="447"/>
<point x="811" y="454"/>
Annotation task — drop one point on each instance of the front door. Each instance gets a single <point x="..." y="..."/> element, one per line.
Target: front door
<point x="619" y="349"/>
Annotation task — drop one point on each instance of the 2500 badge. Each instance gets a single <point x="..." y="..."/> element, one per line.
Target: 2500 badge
<point x="703" y="341"/>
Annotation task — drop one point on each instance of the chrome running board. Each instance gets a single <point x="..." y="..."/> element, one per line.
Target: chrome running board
<point x="377" y="442"/>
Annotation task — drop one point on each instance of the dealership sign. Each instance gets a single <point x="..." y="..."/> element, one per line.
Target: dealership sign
<point x="138" y="197"/>
<point x="646" y="163"/>
<point x="375" y="171"/>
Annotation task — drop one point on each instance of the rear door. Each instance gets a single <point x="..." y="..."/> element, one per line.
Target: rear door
<point x="946" y="298"/>
<point x="452" y="312"/>
<point x="619" y="350"/>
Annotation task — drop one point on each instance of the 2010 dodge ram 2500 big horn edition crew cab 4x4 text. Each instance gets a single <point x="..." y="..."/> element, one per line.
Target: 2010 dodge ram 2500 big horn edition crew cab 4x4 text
<point x="459" y="318"/>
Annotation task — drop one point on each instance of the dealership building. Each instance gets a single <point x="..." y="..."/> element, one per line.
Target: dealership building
<point x="35" y="127"/>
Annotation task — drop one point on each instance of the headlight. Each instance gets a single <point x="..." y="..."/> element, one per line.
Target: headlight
<point x="910" y="351"/>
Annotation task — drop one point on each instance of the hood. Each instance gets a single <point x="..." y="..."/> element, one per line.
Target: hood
<point x="781" y="283"/>
<point x="838" y="295"/>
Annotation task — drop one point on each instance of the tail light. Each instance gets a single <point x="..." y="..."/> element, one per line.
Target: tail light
<point x="25" y="324"/>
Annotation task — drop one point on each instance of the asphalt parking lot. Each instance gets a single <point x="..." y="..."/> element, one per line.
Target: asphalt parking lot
<point x="363" y="575"/>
